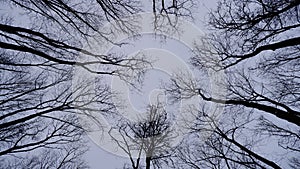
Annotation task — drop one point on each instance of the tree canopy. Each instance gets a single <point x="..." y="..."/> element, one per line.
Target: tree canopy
<point x="255" y="42"/>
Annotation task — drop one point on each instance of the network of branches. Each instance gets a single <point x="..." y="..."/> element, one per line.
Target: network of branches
<point x="255" y="42"/>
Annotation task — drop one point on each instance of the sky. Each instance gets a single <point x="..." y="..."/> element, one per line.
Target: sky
<point x="100" y="157"/>
<point x="97" y="157"/>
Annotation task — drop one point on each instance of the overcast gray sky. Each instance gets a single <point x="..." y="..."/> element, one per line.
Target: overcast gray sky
<point x="101" y="159"/>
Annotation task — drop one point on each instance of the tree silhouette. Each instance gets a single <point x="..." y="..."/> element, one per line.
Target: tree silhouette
<point x="148" y="139"/>
<point x="41" y="43"/>
<point x="256" y="44"/>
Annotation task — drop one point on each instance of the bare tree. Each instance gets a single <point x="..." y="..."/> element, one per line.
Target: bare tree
<point x="246" y="30"/>
<point x="264" y="30"/>
<point x="38" y="109"/>
<point x="39" y="105"/>
<point x="65" y="157"/>
<point x="41" y="43"/>
<point x="256" y="44"/>
<point x="168" y="12"/>
<point x="231" y="143"/>
<point x="148" y="139"/>
<point x="39" y="116"/>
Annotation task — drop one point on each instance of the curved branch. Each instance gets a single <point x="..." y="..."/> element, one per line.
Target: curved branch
<point x="274" y="46"/>
<point x="292" y="117"/>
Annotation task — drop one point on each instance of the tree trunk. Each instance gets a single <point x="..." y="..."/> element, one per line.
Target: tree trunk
<point x="148" y="160"/>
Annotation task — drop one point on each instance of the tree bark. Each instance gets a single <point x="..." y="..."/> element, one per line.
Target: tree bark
<point x="148" y="160"/>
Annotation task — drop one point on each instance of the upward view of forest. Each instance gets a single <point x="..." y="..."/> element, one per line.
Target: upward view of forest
<point x="54" y="90"/>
